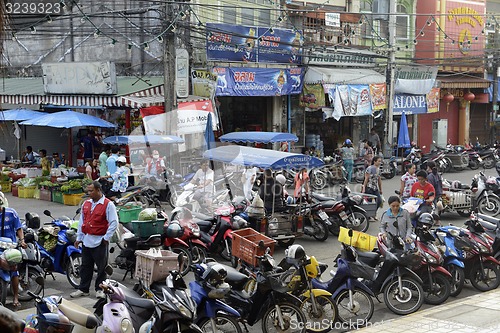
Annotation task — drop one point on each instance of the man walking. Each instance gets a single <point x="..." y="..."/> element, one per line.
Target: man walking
<point x="111" y="162"/>
<point x="98" y="222"/>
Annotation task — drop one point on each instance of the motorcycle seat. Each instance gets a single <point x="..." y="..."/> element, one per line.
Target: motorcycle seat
<point x="78" y="314"/>
<point x="328" y="204"/>
<point x="321" y="197"/>
<point x="204" y="225"/>
<point x="134" y="188"/>
<point x="236" y="279"/>
<point x="139" y="302"/>
<point x="202" y="216"/>
<point x="369" y="258"/>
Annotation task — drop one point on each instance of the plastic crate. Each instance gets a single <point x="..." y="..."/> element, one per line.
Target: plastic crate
<point x="45" y="195"/>
<point x="154" y="265"/>
<point x="57" y="196"/>
<point x="27" y="192"/>
<point x="6" y="186"/>
<point x="72" y="199"/>
<point x="147" y="228"/>
<point x="15" y="190"/>
<point x="246" y="245"/>
<point x="129" y="214"/>
<point x="359" y="240"/>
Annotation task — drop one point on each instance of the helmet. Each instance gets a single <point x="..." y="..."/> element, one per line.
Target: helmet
<point x="57" y="322"/>
<point x="174" y="230"/>
<point x="12" y="256"/>
<point x="413" y="144"/>
<point x="3" y="200"/>
<point x="348" y="142"/>
<point x="32" y="220"/>
<point x="456" y="184"/>
<point x="426" y="220"/>
<point x="295" y="253"/>
<point x="122" y="159"/>
<point x="239" y="222"/>
<point x="281" y="179"/>
<point x="214" y="274"/>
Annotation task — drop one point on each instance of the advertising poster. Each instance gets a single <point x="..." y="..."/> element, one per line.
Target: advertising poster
<point x="433" y="100"/>
<point x="378" y="92"/>
<point x="313" y="96"/>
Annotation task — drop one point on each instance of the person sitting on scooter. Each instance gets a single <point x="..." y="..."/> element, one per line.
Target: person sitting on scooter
<point x="204" y="181"/>
<point x="271" y="192"/>
<point x="424" y="190"/>
<point x="396" y="221"/>
<point x="12" y="229"/>
<point x="120" y="179"/>
<point x="155" y="166"/>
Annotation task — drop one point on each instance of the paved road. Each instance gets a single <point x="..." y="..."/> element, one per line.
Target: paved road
<point x="324" y="251"/>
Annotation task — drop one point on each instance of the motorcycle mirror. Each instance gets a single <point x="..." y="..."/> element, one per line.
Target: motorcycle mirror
<point x="46" y="212"/>
<point x="112" y="250"/>
<point x="78" y="211"/>
<point x="350" y="233"/>
<point x="109" y="270"/>
<point x="180" y="261"/>
<point x="430" y="194"/>
<point x="397" y="192"/>
<point x="40" y="280"/>
<point x="261" y="245"/>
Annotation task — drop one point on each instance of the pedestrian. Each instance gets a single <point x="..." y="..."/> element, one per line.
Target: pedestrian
<point x="98" y="222"/>
<point x="56" y="160"/>
<point x="407" y="181"/>
<point x="435" y="179"/>
<point x="301" y="180"/>
<point x="347" y="152"/>
<point x="248" y="179"/>
<point x="29" y="156"/>
<point x="111" y="162"/>
<point x="89" y="144"/>
<point x="204" y="181"/>
<point x="271" y="192"/>
<point x="368" y="153"/>
<point x="375" y="140"/>
<point x="44" y="162"/>
<point x="92" y="169"/>
<point x="373" y="182"/>
<point x="12" y="229"/>
<point x="396" y="221"/>
<point x="120" y="179"/>
<point x="103" y="158"/>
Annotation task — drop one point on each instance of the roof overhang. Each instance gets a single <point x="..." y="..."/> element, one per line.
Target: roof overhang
<point x="462" y="81"/>
<point x="331" y="75"/>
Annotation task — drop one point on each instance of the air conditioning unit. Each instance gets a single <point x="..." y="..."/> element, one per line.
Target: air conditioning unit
<point x="380" y="9"/>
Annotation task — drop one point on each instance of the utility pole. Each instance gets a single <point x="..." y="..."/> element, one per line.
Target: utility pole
<point x="391" y="68"/>
<point x="169" y="61"/>
<point x="494" y="100"/>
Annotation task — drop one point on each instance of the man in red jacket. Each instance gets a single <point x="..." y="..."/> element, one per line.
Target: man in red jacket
<point x="98" y="222"/>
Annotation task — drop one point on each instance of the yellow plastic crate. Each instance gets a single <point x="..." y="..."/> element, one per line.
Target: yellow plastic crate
<point x="6" y="186"/>
<point x="72" y="199"/>
<point x="359" y="240"/>
<point x="27" y="191"/>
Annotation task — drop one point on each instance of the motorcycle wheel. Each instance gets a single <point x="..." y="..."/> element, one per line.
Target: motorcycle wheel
<point x="334" y="228"/>
<point x="198" y="254"/>
<point x="448" y="166"/>
<point x="390" y="175"/>
<point x="290" y="314"/>
<point x="320" y="230"/>
<point x="359" y="176"/>
<point x="286" y="243"/>
<point x="3" y="292"/>
<point x="73" y="269"/>
<point x="473" y="165"/>
<point x="357" y="221"/>
<point x="188" y="260"/>
<point x="27" y="283"/>
<point x="409" y="301"/>
<point x="326" y="312"/>
<point x="486" y="279"/>
<point x="359" y="312"/>
<point x="489" y="162"/>
<point x="318" y="181"/>
<point x="457" y="279"/>
<point x="172" y="199"/>
<point x="225" y="253"/>
<point x="439" y="291"/>
<point x="490" y="207"/>
<point x="223" y="323"/>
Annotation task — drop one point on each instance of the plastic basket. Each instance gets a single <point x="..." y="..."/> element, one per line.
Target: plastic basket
<point x="359" y="240"/>
<point x="127" y="214"/>
<point x="246" y="245"/>
<point x="26" y="191"/>
<point x="45" y="195"/>
<point x="154" y="265"/>
<point x="57" y="196"/>
<point x="6" y="186"/>
<point x="147" y="228"/>
<point x="72" y="199"/>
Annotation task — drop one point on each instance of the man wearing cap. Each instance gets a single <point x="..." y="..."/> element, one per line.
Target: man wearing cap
<point x="12" y="229"/>
<point x="120" y="178"/>
<point x="347" y="152"/>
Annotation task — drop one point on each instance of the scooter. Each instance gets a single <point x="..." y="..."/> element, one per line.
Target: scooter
<point x="29" y="269"/>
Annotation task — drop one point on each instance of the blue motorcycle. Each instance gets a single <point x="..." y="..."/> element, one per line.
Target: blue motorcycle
<point x="206" y="291"/>
<point x="63" y="257"/>
<point x="452" y="240"/>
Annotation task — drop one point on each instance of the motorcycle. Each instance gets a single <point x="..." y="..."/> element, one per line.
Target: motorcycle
<point x="10" y="257"/>
<point x="488" y="155"/>
<point x="316" y="221"/>
<point x="388" y="168"/>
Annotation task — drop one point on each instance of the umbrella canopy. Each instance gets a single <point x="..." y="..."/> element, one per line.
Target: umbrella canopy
<point x="263" y="158"/>
<point x="68" y="119"/>
<point x="209" y="133"/>
<point x="403" y="136"/>
<point x="138" y="139"/>
<point x="20" y="114"/>
<point x="259" y="137"/>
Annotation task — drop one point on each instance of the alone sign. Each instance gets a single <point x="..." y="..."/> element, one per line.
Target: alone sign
<point x="410" y="104"/>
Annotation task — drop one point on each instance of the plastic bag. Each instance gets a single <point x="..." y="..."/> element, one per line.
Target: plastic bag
<point x="256" y="209"/>
<point x="148" y="214"/>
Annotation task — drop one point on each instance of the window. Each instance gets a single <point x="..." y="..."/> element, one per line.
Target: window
<point x="381" y="28"/>
<point x="263" y="17"/>
<point x="247" y="16"/>
<point x="365" y="5"/>
<point x="229" y="15"/>
<point x="402" y="26"/>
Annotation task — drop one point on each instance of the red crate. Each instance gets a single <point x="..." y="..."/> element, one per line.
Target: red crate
<point x="15" y="190"/>
<point x="246" y="245"/>
<point x="45" y="195"/>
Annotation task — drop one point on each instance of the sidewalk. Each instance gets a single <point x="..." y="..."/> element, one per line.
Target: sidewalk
<point x="477" y="313"/>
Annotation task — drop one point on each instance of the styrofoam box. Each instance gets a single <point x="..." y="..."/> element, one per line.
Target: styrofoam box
<point x="31" y="172"/>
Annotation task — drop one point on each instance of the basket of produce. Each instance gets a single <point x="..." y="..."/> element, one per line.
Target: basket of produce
<point x="72" y="187"/>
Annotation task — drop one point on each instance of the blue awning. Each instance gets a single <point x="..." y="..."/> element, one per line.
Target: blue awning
<point x="138" y="139"/>
<point x="258" y="137"/>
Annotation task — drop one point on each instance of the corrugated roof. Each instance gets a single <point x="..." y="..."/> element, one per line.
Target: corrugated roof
<point x="462" y="81"/>
<point x="126" y="85"/>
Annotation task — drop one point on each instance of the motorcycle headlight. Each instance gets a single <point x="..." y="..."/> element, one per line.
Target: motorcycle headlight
<point x="483" y="248"/>
<point x="126" y="326"/>
<point x="430" y="258"/>
<point x="195" y="229"/>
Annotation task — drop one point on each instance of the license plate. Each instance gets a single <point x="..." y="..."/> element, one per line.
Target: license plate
<point x="323" y="215"/>
<point x="343" y="215"/>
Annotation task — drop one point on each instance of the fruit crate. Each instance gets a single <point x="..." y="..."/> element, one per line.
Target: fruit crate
<point x="72" y="199"/>
<point x="129" y="214"/>
<point x="45" y="195"/>
<point x="6" y="186"/>
<point x="57" y="196"/>
<point x="246" y="245"/>
<point x="145" y="229"/>
<point x="154" y="265"/>
<point x="27" y="192"/>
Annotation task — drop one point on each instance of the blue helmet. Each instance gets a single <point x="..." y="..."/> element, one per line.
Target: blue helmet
<point x="348" y="142"/>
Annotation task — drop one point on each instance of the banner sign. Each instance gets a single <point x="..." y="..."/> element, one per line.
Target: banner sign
<point x="203" y="83"/>
<point x="350" y="100"/>
<point x="378" y="92"/>
<point x="238" y="81"/>
<point x="410" y="104"/>
<point x="312" y="96"/>
<point x="227" y="42"/>
<point x="433" y="100"/>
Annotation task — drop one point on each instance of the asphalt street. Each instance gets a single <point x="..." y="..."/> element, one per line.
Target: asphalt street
<point x="324" y="251"/>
